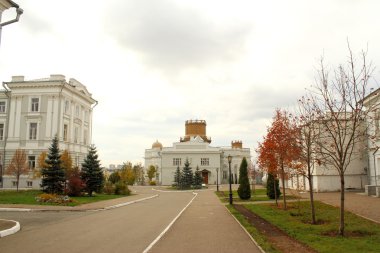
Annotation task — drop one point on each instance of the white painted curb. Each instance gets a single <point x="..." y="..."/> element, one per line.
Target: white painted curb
<point x="11" y="230"/>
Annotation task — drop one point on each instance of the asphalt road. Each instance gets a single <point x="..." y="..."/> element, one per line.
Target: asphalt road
<point x="126" y="229"/>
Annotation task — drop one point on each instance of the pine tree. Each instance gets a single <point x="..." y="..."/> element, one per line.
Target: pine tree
<point x="177" y="178"/>
<point x="197" y="181"/>
<point x="187" y="176"/>
<point x="53" y="176"/>
<point x="92" y="173"/>
<point x="244" y="189"/>
<point x="273" y="187"/>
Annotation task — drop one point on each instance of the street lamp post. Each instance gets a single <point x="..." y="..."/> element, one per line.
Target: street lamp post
<point x="217" y="178"/>
<point x="229" y="169"/>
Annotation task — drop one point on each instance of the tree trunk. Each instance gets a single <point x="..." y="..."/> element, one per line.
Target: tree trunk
<point x="283" y="183"/>
<point x="275" y="190"/>
<point x="17" y="181"/>
<point x="341" y="226"/>
<point x="310" y="177"/>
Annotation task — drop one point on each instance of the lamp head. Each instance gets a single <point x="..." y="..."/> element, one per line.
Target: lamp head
<point x="229" y="157"/>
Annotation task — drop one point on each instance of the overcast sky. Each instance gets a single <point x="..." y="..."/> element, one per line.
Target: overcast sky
<point x="154" y="64"/>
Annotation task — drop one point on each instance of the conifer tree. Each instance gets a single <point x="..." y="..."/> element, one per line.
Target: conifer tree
<point x="187" y="176"/>
<point x="273" y="187"/>
<point x="177" y="178"/>
<point x="92" y="173"/>
<point x="244" y="189"/>
<point x="197" y="181"/>
<point x="53" y="176"/>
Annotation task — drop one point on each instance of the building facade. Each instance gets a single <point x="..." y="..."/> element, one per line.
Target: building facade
<point x="195" y="147"/>
<point x="33" y="112"/>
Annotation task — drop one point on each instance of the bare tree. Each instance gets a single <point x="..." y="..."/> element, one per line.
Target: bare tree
<point x="337" y="104"/>
<point x="308" y="135"/>
<point x="18" y="165"/>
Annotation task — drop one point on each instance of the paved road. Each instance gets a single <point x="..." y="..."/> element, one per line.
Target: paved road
<point x="126" y="229"/>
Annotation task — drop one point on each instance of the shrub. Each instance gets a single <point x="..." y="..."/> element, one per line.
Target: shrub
<point x="75" y="185"/>
<point x="152" y="183"/>
<point x="109" y="188"/>
<point x="121" y="189"/>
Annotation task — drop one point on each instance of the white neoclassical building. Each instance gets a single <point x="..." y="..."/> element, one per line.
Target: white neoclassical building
<point x="195" y="147"/>
<point x="32" y="112"/>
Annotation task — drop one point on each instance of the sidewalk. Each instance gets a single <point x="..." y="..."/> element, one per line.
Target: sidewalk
<point x="206" y="226"/>
<point x="358" y="203"/>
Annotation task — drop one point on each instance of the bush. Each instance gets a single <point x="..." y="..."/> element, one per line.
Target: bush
<point x="121" y="189"/>
<point x="75" y="186"/>
<point x="109" y="188"/>
<point x="152" y="183"/>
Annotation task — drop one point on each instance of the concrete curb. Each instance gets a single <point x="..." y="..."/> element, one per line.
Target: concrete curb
<point x="11" y="230"/>
<point x="76" y="210"/>
<point x="250" y="236"/>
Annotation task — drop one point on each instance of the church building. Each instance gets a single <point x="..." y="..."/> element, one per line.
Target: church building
<point x="195" y="147"/>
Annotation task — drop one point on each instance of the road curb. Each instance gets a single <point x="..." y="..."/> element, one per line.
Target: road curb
<point x="250" y="236"/>
<point x="11" y="230"/>
<point x="75" y="210"/>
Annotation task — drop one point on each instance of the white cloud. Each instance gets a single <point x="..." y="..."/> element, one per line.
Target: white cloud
<point x="152" y="65"/>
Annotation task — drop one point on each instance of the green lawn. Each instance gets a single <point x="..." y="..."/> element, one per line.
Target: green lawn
<point x="28" y="198"/>
<point x="257" y="195"/>
<point x="362" y="235"/>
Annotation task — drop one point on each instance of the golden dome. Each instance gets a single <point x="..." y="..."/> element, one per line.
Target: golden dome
<point x="157" y="144"/>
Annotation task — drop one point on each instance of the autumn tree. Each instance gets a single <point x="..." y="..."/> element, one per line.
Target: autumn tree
<point x="41" y="163"/>
<point x="92" y="173"/>
<point x="127" y="174"/>
<point x="337" y="102"/>
<point x="308" y="136"/>
<point x="244" y="189"/>
<point x="67" y="164"/>
<point x="18" y="165"/>
<point x="138" y="171"/>
<point x="151" y="172"/>
<point x="53" y="176"/>
<point x="282" y="143"/>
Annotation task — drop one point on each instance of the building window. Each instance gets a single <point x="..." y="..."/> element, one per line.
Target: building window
<point x="2" y="106"/>
<point x="33" y="131"/>
<point x="1" y="131"/>
<point x="32" y="162"/>
<point x="14" y="183"/>
<point x="176" y="161"/>
<point x="29" y="184"/>
<point x="86" y="116"/>
<point x="205" y="161"/>
<point x="77" y="111"/>
<point x="35" y="104"/>
<point x="67" y="106"/>
<point x="85" y="137"/>
<point x="224" y="174"/>
<point x="65" y="130"/>
<point x="76" y="135"/>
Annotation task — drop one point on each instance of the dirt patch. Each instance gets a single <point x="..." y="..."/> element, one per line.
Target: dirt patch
<point x="278" y="238"/>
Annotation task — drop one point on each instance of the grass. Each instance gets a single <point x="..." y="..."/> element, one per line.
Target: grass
<point x="257" y="195"/>
<point x="361" y="235"/>
<point x="259" y="238"/>
<point x="27" y="197"/>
